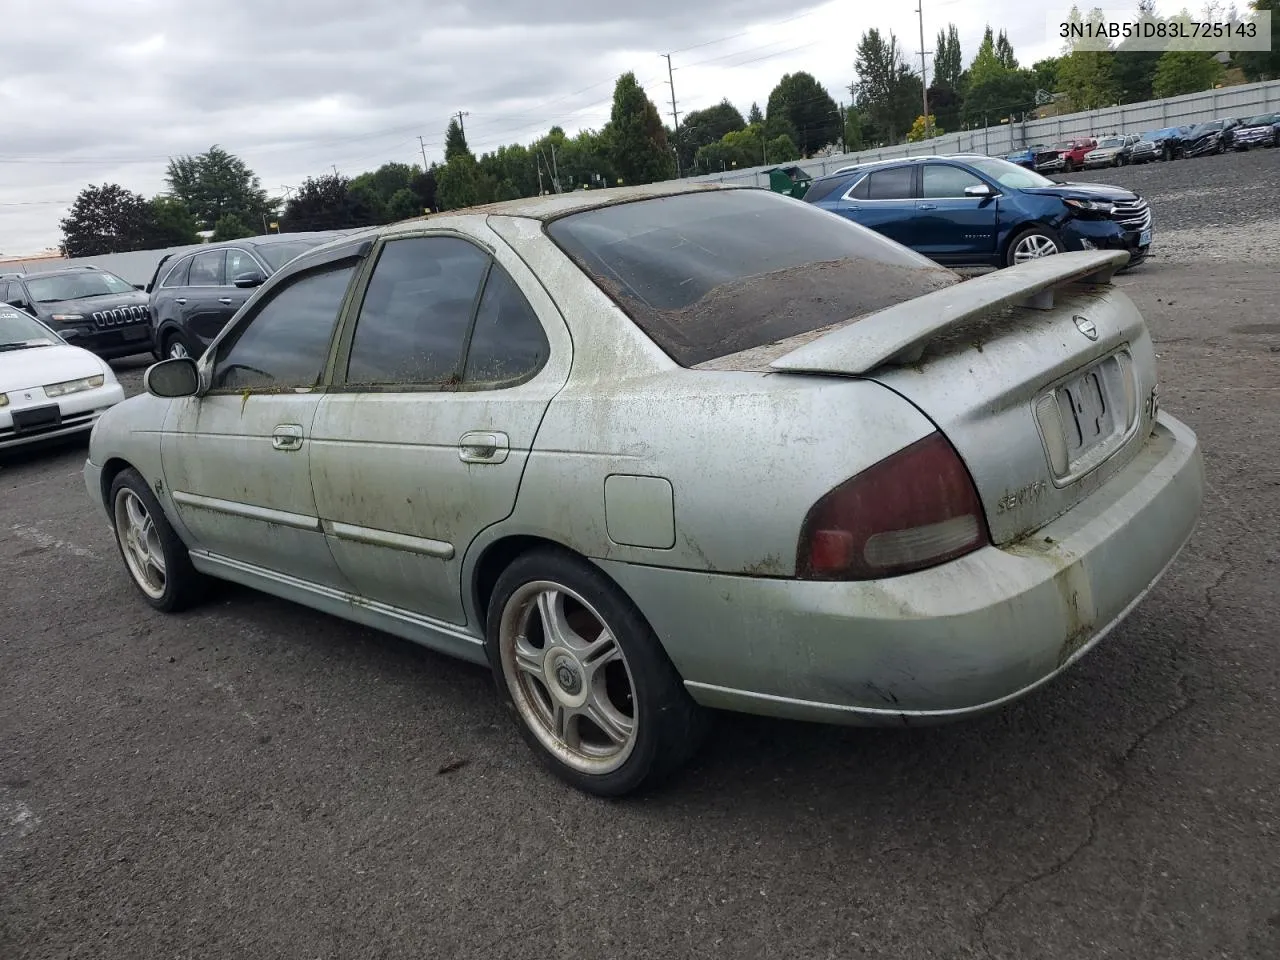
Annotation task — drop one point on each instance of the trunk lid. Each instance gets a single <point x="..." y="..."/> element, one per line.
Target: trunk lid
<point x="1042" y="376"/>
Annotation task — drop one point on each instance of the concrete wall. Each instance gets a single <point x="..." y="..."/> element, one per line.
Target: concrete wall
<point x="1240" y="101"/>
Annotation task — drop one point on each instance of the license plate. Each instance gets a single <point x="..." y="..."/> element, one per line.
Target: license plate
<point x="36" y="418"/>
<point x="1088" y="420"/>
<point x="135" y="333"/>
<point x="1145" y="239"/>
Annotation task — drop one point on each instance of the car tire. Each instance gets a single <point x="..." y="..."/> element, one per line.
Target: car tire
<point x="154" y="557"/>
<point x="553" y="678"/>
<point x="1035" y="236"/>
<point x="175" y="341"/>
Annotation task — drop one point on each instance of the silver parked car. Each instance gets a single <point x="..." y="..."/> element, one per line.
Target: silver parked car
<point x="651" y="450"/>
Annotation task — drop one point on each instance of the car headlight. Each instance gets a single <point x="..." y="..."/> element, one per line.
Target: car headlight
<point x="1091" y="206"/>
<point x="67" y="317"/>
<point x="4" y="399"/>
<point x="74" y="386"/>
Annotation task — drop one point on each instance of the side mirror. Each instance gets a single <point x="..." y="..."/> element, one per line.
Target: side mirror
<point x="140" y="286"/>
<point x="179" y="377"/>
<point x="978" y="190"/>
<point x="251" y="279"/>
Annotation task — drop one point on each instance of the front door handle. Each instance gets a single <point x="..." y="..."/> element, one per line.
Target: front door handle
<point x="286" y="437"/>
<point x="927" y="206"/>
<point x="483" y="446"/>
<point x="181" y="300"/>
<point x="226" y="300"/>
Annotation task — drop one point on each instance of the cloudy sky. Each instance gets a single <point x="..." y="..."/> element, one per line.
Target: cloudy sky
<point x="95" y="92"/>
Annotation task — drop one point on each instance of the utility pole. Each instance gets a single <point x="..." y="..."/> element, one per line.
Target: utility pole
<point x="924" y="80"/>
<point x="466" y="113"/>
<point x="423" y="145"/>
<point x="675" y="117"/>
<point x="537" y="162"/>
<point x="555" y="169"/>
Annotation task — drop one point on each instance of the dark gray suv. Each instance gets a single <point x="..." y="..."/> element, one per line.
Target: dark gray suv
<point x="195" y="292"/>
<point x="86" y="306"/>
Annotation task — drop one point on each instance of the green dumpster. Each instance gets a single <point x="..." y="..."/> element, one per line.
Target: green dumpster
<point x="791" y="181"/>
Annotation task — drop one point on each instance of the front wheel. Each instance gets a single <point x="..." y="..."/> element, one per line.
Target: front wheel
<point x="175" y="346"/>
<point x="592" y="691"/>
<point x="1032" y="244"/>
<point x="155" y="557"/>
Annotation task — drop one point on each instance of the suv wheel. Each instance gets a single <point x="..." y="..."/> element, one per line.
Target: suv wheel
<point x="175" y="346"/>
<point x="1032" y="244"/>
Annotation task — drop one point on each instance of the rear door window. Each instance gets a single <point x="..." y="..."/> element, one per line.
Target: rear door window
<point x="206" y="269"/>
<point x="710" y="273"/>
<point x="177" y="276"/>
<point x="893" y="184"/>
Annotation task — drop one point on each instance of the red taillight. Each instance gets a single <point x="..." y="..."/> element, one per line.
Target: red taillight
<point x="912" y="510"/>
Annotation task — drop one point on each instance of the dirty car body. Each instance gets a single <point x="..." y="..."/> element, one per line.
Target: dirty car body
<point x="834" y="482"/>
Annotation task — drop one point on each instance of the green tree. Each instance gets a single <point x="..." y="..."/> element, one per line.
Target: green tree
<point x="1086" y="71"/>
<point x="461" y="183"/>
<point x="1186" y="71"/>
<point x="749" y="147"/>
<point x="1263" y="64"/>
<point x="852" y="130"/>
<point x="230" y="227"/>
<point x="701" y="127"/>
<point x="513" y="172"/>
<point x="1004" y="52"/>
<point x="947" y="61"/>
<point x="455" y="141"/>
<point x="986" y="62"/>
<point x="171" y="224"/>
<point x="106" y="219"/>
<point x="637" y="139"/>
<point x="216" y="183"/>
<point x="946" y="106"/>
<point x="755" y="116"/>
<point x="403" y="205"/>
<point x="808" y="109"/>
<point x="325" y="203"/>
<point x="884" y="92"/>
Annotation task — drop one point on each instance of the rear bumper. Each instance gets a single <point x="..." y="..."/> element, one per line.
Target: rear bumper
<point x="942" y="644"/>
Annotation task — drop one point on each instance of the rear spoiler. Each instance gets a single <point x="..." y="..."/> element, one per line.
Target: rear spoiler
<point x="899" y="334"/>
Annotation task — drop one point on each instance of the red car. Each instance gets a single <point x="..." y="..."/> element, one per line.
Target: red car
<point x="1067" y="155"/>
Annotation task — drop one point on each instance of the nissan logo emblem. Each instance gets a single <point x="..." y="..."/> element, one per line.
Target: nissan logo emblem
<point x="1086" y="326"/>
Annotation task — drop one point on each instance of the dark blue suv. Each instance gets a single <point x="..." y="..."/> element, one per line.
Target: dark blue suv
<point x="984" y="211"/>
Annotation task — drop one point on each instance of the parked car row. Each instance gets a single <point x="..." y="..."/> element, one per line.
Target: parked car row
<point x="1169" y="143"/>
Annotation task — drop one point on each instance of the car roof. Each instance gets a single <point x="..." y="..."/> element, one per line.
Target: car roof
<point x="53" y="272"/>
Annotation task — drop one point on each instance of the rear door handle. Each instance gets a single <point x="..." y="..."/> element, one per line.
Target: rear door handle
<point x="926" y="206"/>
<point x="181" y="300"/>
<point x="286" y="437"/>
<point x="483" y="446"/>
<point x="226" y="300"/>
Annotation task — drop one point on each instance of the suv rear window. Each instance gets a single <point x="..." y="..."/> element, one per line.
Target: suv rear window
<point x="713" y="273"/>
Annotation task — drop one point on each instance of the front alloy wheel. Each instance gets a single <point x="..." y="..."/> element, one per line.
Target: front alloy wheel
<point x="157" y="560"/>
<point x="140" y="543"/>
<point x="1032" y="245"/>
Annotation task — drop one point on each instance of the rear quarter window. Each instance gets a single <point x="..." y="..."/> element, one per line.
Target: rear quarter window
<point x="713" y="273"/>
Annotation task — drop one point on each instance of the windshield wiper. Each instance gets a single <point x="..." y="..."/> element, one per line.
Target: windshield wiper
<point x="23" y="344"/>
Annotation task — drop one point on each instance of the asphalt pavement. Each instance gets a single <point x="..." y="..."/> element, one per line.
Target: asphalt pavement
<point x="254" y="780"/>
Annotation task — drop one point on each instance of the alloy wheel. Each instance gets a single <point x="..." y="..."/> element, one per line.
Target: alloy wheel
<point x="1032" y="247"/>
<point x="568" y="677"/>
<point x="140" y="543"/>
<point x="177" y="349"/>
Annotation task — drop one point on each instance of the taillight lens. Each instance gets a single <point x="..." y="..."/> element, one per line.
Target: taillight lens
<point x="912" y="510"/>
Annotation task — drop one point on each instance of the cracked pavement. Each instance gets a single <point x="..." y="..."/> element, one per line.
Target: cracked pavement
<point x="255" y="780"/>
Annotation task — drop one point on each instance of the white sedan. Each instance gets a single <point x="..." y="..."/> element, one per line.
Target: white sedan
<point x="48" y="388"/>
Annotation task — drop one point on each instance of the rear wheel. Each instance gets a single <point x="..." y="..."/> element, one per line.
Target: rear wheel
<point x="1032" y="244"/>
<point x="175" y="346"/>
<point x="590" y="686"/>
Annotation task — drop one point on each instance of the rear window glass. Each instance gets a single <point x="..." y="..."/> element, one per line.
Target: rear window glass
<point x="278" y="254"/>
<point x="706" y="275"/>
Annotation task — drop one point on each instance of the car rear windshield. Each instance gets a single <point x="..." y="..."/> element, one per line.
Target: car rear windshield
<point x="710" y="274"/>
<point x="278" y="254"/>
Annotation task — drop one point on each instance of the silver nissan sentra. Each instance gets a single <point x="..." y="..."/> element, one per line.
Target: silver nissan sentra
<point x="652" y="450"/>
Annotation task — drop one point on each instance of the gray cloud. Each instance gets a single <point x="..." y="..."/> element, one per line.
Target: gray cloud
<point x="95" y="92"/>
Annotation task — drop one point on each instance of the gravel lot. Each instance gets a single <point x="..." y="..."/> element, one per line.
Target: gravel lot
<point x="255" y="780"/>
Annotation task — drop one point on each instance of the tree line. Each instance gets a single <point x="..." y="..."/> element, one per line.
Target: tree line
<point x="216" y="191"/>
